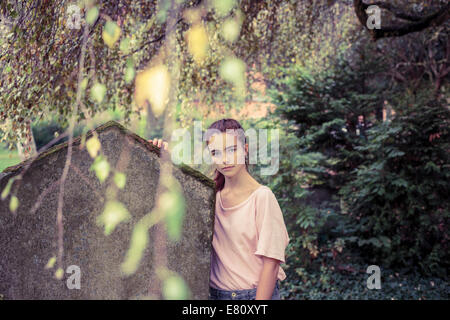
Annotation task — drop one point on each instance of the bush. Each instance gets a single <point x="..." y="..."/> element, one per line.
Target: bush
<point x="44" y="132"/>
<point x="317" y="114"/>
<point x="399" y="196"/>
<point x="390" y="179"/>
<point x="329" y="283"/>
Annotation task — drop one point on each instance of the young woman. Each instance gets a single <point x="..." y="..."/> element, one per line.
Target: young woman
<point x="250" y="235"/>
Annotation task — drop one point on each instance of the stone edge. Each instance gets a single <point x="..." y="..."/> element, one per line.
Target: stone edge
<point x="112" y="123"/>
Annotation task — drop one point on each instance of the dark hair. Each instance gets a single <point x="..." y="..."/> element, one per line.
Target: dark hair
<point x="222" y="125"/>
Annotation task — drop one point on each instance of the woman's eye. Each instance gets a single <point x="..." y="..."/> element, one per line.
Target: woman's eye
<point x="232" y="150"/>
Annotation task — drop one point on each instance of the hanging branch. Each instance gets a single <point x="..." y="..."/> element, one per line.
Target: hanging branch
<point x="59" y="217"/>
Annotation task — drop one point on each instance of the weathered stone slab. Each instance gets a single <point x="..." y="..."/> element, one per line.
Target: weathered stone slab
<point x="28" y="240"/>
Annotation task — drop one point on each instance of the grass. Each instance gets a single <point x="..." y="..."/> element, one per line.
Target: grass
<point x="8" y="157"/>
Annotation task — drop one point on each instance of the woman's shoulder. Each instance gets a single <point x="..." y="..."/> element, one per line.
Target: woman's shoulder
<point x="263" y="191"/>
<point x="266" y="201"/>
<point x="263" y="187"/>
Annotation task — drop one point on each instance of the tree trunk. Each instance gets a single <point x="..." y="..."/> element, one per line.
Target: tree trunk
<point x="27" y="148"/>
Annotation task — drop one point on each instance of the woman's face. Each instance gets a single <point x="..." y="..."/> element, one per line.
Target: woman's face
<point x="227" y="153"/>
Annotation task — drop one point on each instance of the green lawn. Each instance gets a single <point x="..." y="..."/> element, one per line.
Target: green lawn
<point x="8" y="157"/>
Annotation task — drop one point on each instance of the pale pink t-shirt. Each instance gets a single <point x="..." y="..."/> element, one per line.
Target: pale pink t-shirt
<point x="242" y="235"/>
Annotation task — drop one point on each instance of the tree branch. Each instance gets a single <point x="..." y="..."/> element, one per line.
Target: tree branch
<point x="396" y="11"/>
<point x="419" y="24"/>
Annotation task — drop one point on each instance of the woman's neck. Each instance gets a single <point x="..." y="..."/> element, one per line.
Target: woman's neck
<point x="240" y="180"/>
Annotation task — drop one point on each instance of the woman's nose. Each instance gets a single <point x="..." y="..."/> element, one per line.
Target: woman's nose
<point x="225" y="158"/>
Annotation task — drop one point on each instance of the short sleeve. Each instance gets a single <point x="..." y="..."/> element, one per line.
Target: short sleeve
<point x="271" y="229"/>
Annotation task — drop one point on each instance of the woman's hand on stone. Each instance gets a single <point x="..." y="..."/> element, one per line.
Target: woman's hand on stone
<point x="159" y="142"/>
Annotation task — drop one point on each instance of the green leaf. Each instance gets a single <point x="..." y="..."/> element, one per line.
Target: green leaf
<point x="129" y="74"/>
<point x="125" y="45"/>
<point x="114" y="213"/>
<point x="431" y="166"/>
<point x="233" y="70"/>
<point x="385" y="241"/>
<point x="98" y="92"/>
<point x="120" y="179"/>
<point x="175" y="288"/>
<point x="13" y="203"/>
<point x="230" y="30"/>
<point x="400" y="182"/>
<point x="139" y="241"/>
<point x="50" y="263"/>
<point x="130" y="62"/>
<point x="172" y="203"/>
<point x="111" y="33"/>
<point x="101" y="168"/>
<point x="59" y="273"/>
<point x="7" y="189"/>
<point x="362" y="242"/>
<point x="223" y="7"/>
<point x="375" y="242"/>
<point x="110" y="27"/>
<point x="162" y="10"/>
<point x="92" y="15"/>
<point x="83" y="84"/>
<point x="395" y="153"/>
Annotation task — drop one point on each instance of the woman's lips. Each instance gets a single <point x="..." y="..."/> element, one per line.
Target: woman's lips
<point x="228" y="168"/>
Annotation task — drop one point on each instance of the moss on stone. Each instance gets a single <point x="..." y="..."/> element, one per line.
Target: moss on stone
<point x="150" y="146"/>
<point x="196" y="174"/>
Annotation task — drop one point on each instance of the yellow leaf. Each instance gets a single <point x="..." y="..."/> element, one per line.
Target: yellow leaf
<point x="59" y="273"/>
<point x="197" y="40"/>
<point x="84" y="83"/>
<point x="192" y="15"/>
<point x="153" y="85"/>
<point x="93" y="146"/>
<point x="111" y="33"/>
<point x="50" y="263"/>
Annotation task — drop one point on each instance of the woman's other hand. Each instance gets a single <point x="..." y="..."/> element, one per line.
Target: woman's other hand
<point x="159" y="142"/>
